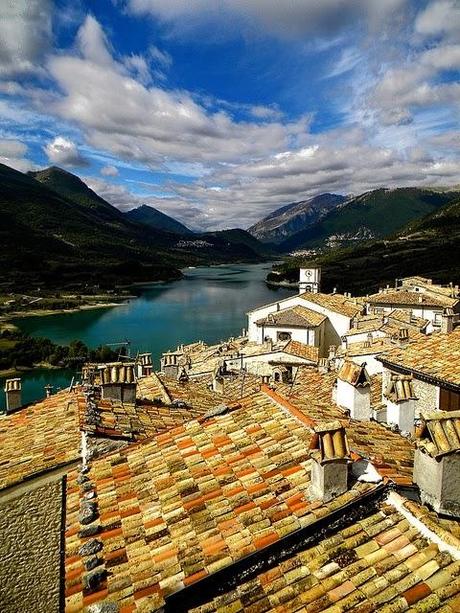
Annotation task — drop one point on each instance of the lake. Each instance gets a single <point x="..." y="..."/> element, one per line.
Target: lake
<point x="209" y="304"/>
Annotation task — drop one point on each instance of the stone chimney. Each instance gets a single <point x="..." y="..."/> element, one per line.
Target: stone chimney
<point x="48" y="390"/>
<point x="330" y="457"/>
<point x="437" y="461"/>
<point x="323" y="366"/>
<point x="144" y="365"/>
<point x="13" y="392"/>
<point x="354" y="390"/>
<point x="170" y="363"/>
<point x="447" y="321"/>
<point x="403" y="336"/>
<point x="400" y="402"/>
<point x="118" y="381"/>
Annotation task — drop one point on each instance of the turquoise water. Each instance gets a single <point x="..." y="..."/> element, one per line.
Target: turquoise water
<point x="209" y="304"/>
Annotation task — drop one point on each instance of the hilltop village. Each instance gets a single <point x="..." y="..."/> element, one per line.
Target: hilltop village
<point x="311" y="464"/>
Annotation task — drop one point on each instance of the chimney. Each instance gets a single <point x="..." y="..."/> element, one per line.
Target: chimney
<point x="447" y="321"/>
<point x="182" y="375"/>
<point x="323" y="366"/>
<point x="13" y="392"/>
<point x="437" y="462"/>
<point x="403" y="336"/>
<point x="118" y="381"/>
<point x="354" y="390"/>
<point x="332" y="352"/>
<point x="144" y="365"/>
<point x="400" y="402"/>
<point x="48" y="390"/>
<point x="330" y="457"/>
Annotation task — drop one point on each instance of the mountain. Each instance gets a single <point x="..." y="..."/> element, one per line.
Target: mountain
<point x="73" y="188"/>
<point x="156" y="219"/>
<point x="429" y="247"/>
<point x="56" y="232"/>
<point x="244" y="239"/>
<point x="371" y="215"/>
<point x="294" y="217"/>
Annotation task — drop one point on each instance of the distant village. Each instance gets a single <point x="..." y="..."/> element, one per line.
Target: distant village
<point x="311" y="464"/>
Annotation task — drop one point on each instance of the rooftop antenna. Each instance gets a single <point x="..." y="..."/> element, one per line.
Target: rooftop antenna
<point x="126" y="343"/>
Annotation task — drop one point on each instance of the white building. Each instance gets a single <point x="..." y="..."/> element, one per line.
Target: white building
<point x="420" y="297"/>
<point x="321" y="321"/>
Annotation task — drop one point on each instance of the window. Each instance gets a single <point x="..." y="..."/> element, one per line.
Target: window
<point x="437" y="319"/>
<point x="284" y="336"/>
<point x="448" y="400"/>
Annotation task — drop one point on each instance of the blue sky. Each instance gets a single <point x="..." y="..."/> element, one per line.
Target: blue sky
<point x="219" y="111"/>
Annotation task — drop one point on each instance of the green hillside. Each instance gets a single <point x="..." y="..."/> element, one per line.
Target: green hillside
<point x="371" y="215"/>
<point x="156" y="219"/>
<point x="429" y="247"/>
<point x="74" y="238"/>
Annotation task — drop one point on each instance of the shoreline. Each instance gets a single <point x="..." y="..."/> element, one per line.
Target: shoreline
<point x="16" y="372"/>
<point x="4" y="319"/>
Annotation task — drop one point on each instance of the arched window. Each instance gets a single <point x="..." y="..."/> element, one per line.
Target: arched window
<point x="284" y="336"/>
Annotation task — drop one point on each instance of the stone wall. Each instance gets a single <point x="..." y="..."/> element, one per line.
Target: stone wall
<point x="427" y="396"/>
<point x="29" y="550"/>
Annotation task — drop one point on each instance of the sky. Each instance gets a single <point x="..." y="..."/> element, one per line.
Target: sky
<point x="217" y="112"/>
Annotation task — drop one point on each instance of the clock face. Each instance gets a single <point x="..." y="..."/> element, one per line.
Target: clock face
<point x="308" y="273"/>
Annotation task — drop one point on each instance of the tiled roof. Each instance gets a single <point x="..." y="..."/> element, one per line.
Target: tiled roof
<point x="190" y="502"/>
<point x="39" y="437"/>
<point x="446" y="528"/>
<point x="392" y="454"/>
<point x="301" y="350"/>
<point x="400" y="388"/>
<point x="297" y="316"/>
<point x="414" y="299"/>
<point x="436" y="356"/>
<point x="441" y="433"/>
<point x="113" y="418"/>
<point x="335" y="302"/>
<point x="354" y="374"/>
<point x="380" y="563"/>
<point x="390" y="323"/>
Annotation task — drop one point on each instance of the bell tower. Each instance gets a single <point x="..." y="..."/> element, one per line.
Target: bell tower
<point x="309" y="280"/>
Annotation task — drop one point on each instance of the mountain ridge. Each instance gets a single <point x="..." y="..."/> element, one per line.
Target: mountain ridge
<point x="429" y="246"/>
<point x="154" y="218"/>
<point x="371" y="215"/>
<point x="291" y="218"/>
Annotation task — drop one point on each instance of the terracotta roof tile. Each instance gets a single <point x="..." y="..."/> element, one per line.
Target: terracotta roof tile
<point x="201" y="496"/>
<point x="297" y="316"/>
<point x="39" y="437"/>
<point x="337" y="303"/>
<point x="301" y="350"/>
<point x="436" y="356"/>
<point x="354" y="374"/>
<point x="360" y="568"/>
<point x="441" y="433"/>
<point x="404" y="297"/>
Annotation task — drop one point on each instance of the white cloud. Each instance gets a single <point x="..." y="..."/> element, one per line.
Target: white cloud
<point x="293" y="18"/>
<point x="109" y="171"/>
<point x="12" y="153"/>
<point x="439" y="18"/>
<point x="65" y="152"/>
<point x="152" y="125"/>
<point x="25" y="34"/>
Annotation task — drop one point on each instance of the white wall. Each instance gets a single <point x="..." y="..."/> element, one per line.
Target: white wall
<point x="373" y="366"/>
<point x="302" y="335"/>
<point x="265" y="310"/>
<point x="402" y="414"/>
<point x="356" y="399"/>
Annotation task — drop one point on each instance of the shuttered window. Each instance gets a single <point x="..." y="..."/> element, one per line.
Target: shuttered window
<point x="449" y="401"/>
